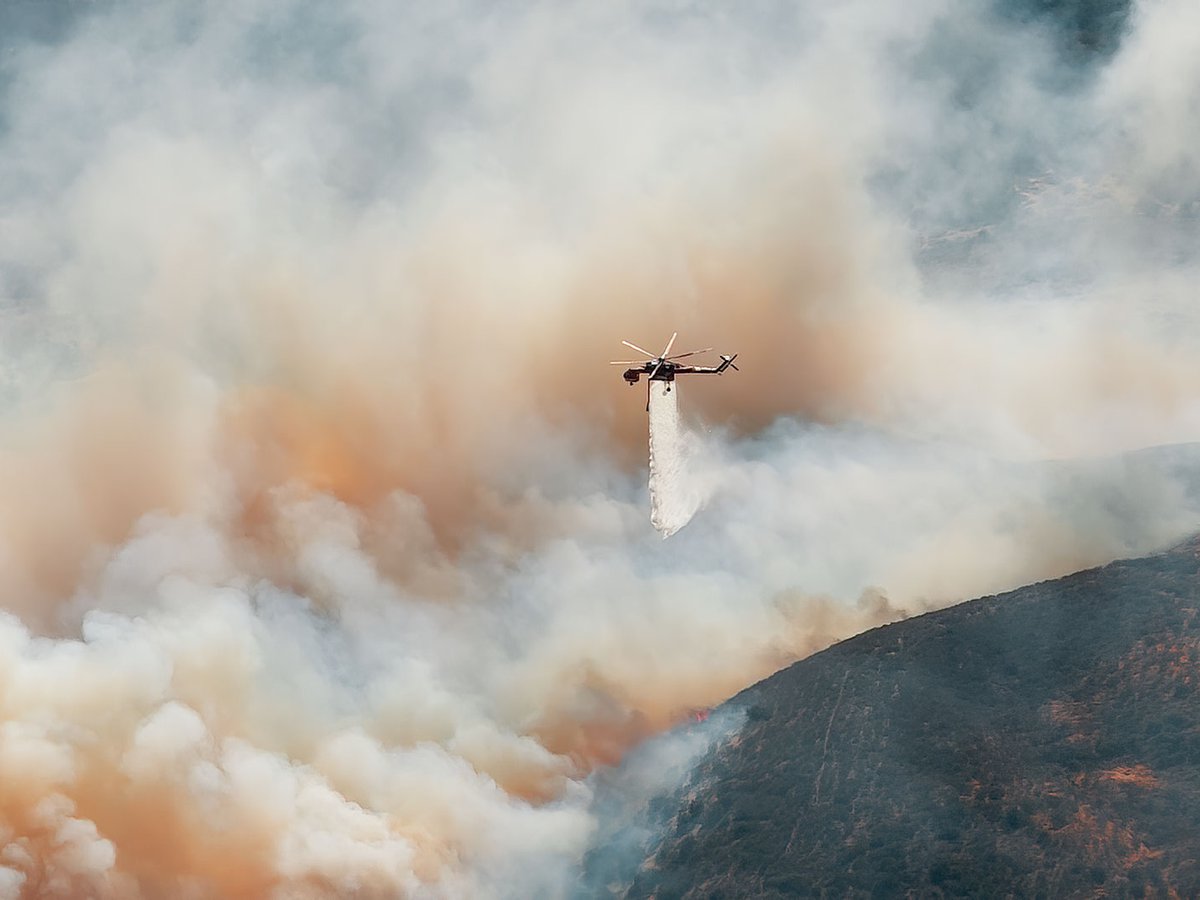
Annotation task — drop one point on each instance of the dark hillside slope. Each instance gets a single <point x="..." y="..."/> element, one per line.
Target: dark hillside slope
<point x="1045" y="742"/>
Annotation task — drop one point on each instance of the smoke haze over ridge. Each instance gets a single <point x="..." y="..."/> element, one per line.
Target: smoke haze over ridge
<point x="323" y="536"/>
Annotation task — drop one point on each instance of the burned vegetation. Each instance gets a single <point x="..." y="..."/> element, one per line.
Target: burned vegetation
<point x="1045" y="742"/>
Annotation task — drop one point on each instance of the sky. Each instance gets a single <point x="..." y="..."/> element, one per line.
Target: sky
<point x="326" y="561"/>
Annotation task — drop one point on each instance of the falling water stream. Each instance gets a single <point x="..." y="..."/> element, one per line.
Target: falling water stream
<point x="673" y="500"/>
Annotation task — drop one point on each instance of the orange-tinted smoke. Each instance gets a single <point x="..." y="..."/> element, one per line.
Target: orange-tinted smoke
<point x="428" y="366"/>
<point x="435" y="364"/>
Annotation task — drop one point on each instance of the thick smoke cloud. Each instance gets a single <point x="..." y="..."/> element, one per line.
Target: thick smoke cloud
<point x="325" y="559"/>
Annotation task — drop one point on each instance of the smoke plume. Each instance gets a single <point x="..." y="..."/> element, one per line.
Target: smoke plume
<point x="325" y="568"/>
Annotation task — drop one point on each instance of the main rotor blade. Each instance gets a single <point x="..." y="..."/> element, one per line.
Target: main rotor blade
<point x="655" y="372"/>
<point x="690" y="353"/>
<point x="639" y="349"/>
<point x="663" y="355"/>
<point x="628" y="362"/>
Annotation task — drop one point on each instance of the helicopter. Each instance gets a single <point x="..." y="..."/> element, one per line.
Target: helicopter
<point x="665" y="367"/>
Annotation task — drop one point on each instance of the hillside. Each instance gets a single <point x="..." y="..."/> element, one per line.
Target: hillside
<point x="1044" y="742"/>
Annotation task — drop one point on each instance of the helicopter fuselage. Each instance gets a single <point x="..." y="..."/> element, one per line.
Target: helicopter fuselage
<point x="665" y="370"/>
